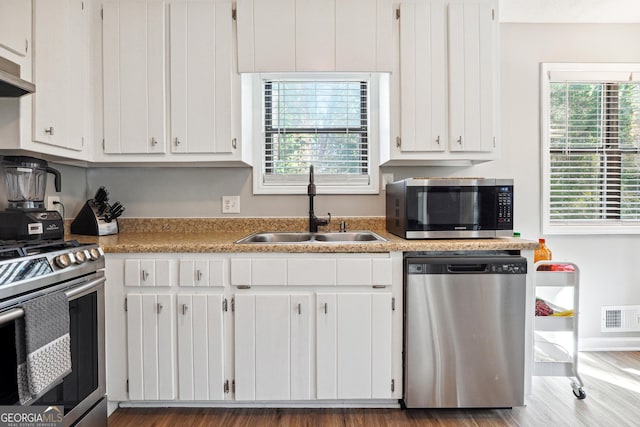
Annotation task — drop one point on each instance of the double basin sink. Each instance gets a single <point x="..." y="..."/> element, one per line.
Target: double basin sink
<point x="306" y="237"/>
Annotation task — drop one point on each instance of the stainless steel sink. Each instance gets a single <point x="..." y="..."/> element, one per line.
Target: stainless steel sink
<point x="305" y="237"/>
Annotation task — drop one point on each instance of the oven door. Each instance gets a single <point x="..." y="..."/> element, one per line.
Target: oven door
<point x="83" y="389"/>
<point x="451" y="211"/>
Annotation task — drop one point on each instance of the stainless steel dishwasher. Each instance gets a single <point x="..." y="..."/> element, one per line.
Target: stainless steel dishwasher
<point x="464" y="330"/>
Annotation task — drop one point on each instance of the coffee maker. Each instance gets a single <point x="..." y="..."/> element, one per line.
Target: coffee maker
<point x="26" y="217"/>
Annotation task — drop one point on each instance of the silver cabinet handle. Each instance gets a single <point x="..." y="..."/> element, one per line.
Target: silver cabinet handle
<point x="244" y="287"/>
<point x="326" y="308"/>
<point x="145" y="275"/>
<point x="159" y="307"/>
<point x="49" y="130"/>
<point x="198" y="275"/>
<point x="178" y="141"/>
<point x="438" y="140"/>
<point x="398" y="142"/>
<point x="234" y="143"/>
<point x="299" y="308"/>
<point x="184" y="309"/>
<point x="459" y="140"/>
<point x="154" y="141"/>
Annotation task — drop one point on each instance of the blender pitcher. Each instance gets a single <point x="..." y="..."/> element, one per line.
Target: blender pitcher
<point x="26" y="182"/>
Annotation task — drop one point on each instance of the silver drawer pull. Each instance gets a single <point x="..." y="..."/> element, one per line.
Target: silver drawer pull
<point x="299" y="308"/>
<point x="198" y="275"/>
<point x="244" y="287"/>
<point x="326" y="308"/>
<point x="145" y="275"/>
<point x="49" y="130"/>
<point x="184" y="309"/>
<point x="159" y="307"/>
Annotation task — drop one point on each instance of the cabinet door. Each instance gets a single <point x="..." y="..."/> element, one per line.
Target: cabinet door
<point x="354" y="347"/>
<point x="473" y="49"/>
<point x="150" y="346"/>
<point x="133" y="38"/>
<point x="315" y="35"/>
<point x="59" y="73"/>
<point x="301" y="347"/>
<point x="423" y="62"/>
<point x="147" y="272"/>
<point x="266" y="35"/>
<point x="363" y="35"/>
<point x="262" y="347"/>
<point x="202" y="77"/>
<point x="200" y="347"/>
<point x="15" y="25"/>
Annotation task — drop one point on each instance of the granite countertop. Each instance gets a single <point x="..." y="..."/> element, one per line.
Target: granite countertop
<point x="218" y="235"/>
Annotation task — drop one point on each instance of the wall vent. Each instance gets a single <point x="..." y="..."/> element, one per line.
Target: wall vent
<point x="621" y="318"/>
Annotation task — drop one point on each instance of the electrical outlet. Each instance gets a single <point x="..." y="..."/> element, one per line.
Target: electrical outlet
<point x="230" y="204"/>
<point x="50" y="205"/>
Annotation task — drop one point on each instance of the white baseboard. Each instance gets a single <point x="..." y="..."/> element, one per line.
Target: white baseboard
<point x="609" y="344"/>
<point x="382" y="403"/>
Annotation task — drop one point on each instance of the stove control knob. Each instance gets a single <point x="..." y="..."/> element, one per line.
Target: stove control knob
<point x="94" y="254"/>
<point x="63" y="261"/>
<point x="81" y="257"/>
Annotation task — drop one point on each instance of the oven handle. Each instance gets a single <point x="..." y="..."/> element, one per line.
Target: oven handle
<point x="16" y="313"/>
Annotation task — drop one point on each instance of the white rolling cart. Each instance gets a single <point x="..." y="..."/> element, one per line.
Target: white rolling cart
<point x="556" y="336"/>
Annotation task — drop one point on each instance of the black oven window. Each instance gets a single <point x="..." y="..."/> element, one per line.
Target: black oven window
<point x="83" y="379"/>
<point x="8" y="375"/>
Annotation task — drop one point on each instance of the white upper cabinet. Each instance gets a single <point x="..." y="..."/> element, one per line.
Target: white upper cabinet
<point x="445" y="91"/>
<point x="423" y="59"/>
<point x="202" y="77"/>
<point x="134" y="77"/>
<point x="473" y="28"/>
<point x="315" y="35"/>
<point x="60" y="73"/>
<point x="15" y="26"/>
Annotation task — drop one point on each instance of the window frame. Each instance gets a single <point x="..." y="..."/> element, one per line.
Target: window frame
<point x="587" y="72"/>
<point x="253" y="129"/>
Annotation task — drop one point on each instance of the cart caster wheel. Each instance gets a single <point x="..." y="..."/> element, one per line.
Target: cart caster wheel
<point x="580" y="394"/>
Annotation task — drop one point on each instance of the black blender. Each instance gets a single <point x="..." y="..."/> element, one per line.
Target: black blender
<point x="26" y="217"/>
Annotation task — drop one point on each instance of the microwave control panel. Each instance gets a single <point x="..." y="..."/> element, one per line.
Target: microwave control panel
<point x="505" y="205"/>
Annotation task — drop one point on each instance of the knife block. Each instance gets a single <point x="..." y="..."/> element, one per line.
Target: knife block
<point x="89" y="223"/>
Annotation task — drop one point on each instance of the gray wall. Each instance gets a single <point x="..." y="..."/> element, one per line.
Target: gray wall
<point x="607" y="262"/>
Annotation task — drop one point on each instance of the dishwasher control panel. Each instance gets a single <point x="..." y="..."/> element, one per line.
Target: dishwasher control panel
<point x="467" y="265"/>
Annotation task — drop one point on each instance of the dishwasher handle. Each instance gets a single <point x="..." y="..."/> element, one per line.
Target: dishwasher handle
<point x="467" y="268"/>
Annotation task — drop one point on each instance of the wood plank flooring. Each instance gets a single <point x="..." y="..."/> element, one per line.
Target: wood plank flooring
<point x="612" y="384"/>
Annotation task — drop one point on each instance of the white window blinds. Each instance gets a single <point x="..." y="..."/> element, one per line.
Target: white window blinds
<point x="324" y="123"/>
<point x="592" y="152"/>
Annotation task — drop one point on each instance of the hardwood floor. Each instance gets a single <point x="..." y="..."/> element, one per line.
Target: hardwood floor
<point x="612" y="384"/>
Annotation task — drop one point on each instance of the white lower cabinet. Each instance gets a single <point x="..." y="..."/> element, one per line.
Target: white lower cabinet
<point x="354" y="352"/>
<point x="253" y="327"/>
<point x="200" y="347"/>
<point x="150" y="343"/>
<point x="272" y="347"/>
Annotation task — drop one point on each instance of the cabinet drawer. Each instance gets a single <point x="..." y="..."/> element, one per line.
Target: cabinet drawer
<point x="259" y="272"/>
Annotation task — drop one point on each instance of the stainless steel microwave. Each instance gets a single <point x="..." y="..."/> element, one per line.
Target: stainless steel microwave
<point x="450" y="208"/>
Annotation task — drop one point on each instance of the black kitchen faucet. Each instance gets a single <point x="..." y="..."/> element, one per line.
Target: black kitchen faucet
<point x="314" y="221"/>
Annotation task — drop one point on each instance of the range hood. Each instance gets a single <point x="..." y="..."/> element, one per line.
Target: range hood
<point x="11" y="85"/>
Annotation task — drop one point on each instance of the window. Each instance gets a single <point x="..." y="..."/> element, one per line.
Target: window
<point x="328" y="121"/>
<point x="591" y="158"/>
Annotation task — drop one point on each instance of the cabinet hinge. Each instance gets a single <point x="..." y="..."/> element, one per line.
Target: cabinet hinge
<point x="127" y="386"/>
<point x="393" y="304"/>
<point x="82" y="5"/>
<point x="82" y="141"/>
<point x="393" y="385"/>
<point x="493" y="14"/>
<point x="126" y="307"/>
<point x="224" y="305"/>
<point x="226" y="387"/>
<point x="102" y="13"/>
<point x="233" y="386"/>
<point x="233" y="304"/>
<point x="398" y="13"/>
<point x="234" y="14"/>
<point x="494" y="142"/>
<point x="103" y="145"/>
<point x="26" y="46"/>
<point x="398" y="141"/>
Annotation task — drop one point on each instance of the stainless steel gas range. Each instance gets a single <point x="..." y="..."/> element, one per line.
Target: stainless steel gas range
<point x="34" y="271"/>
